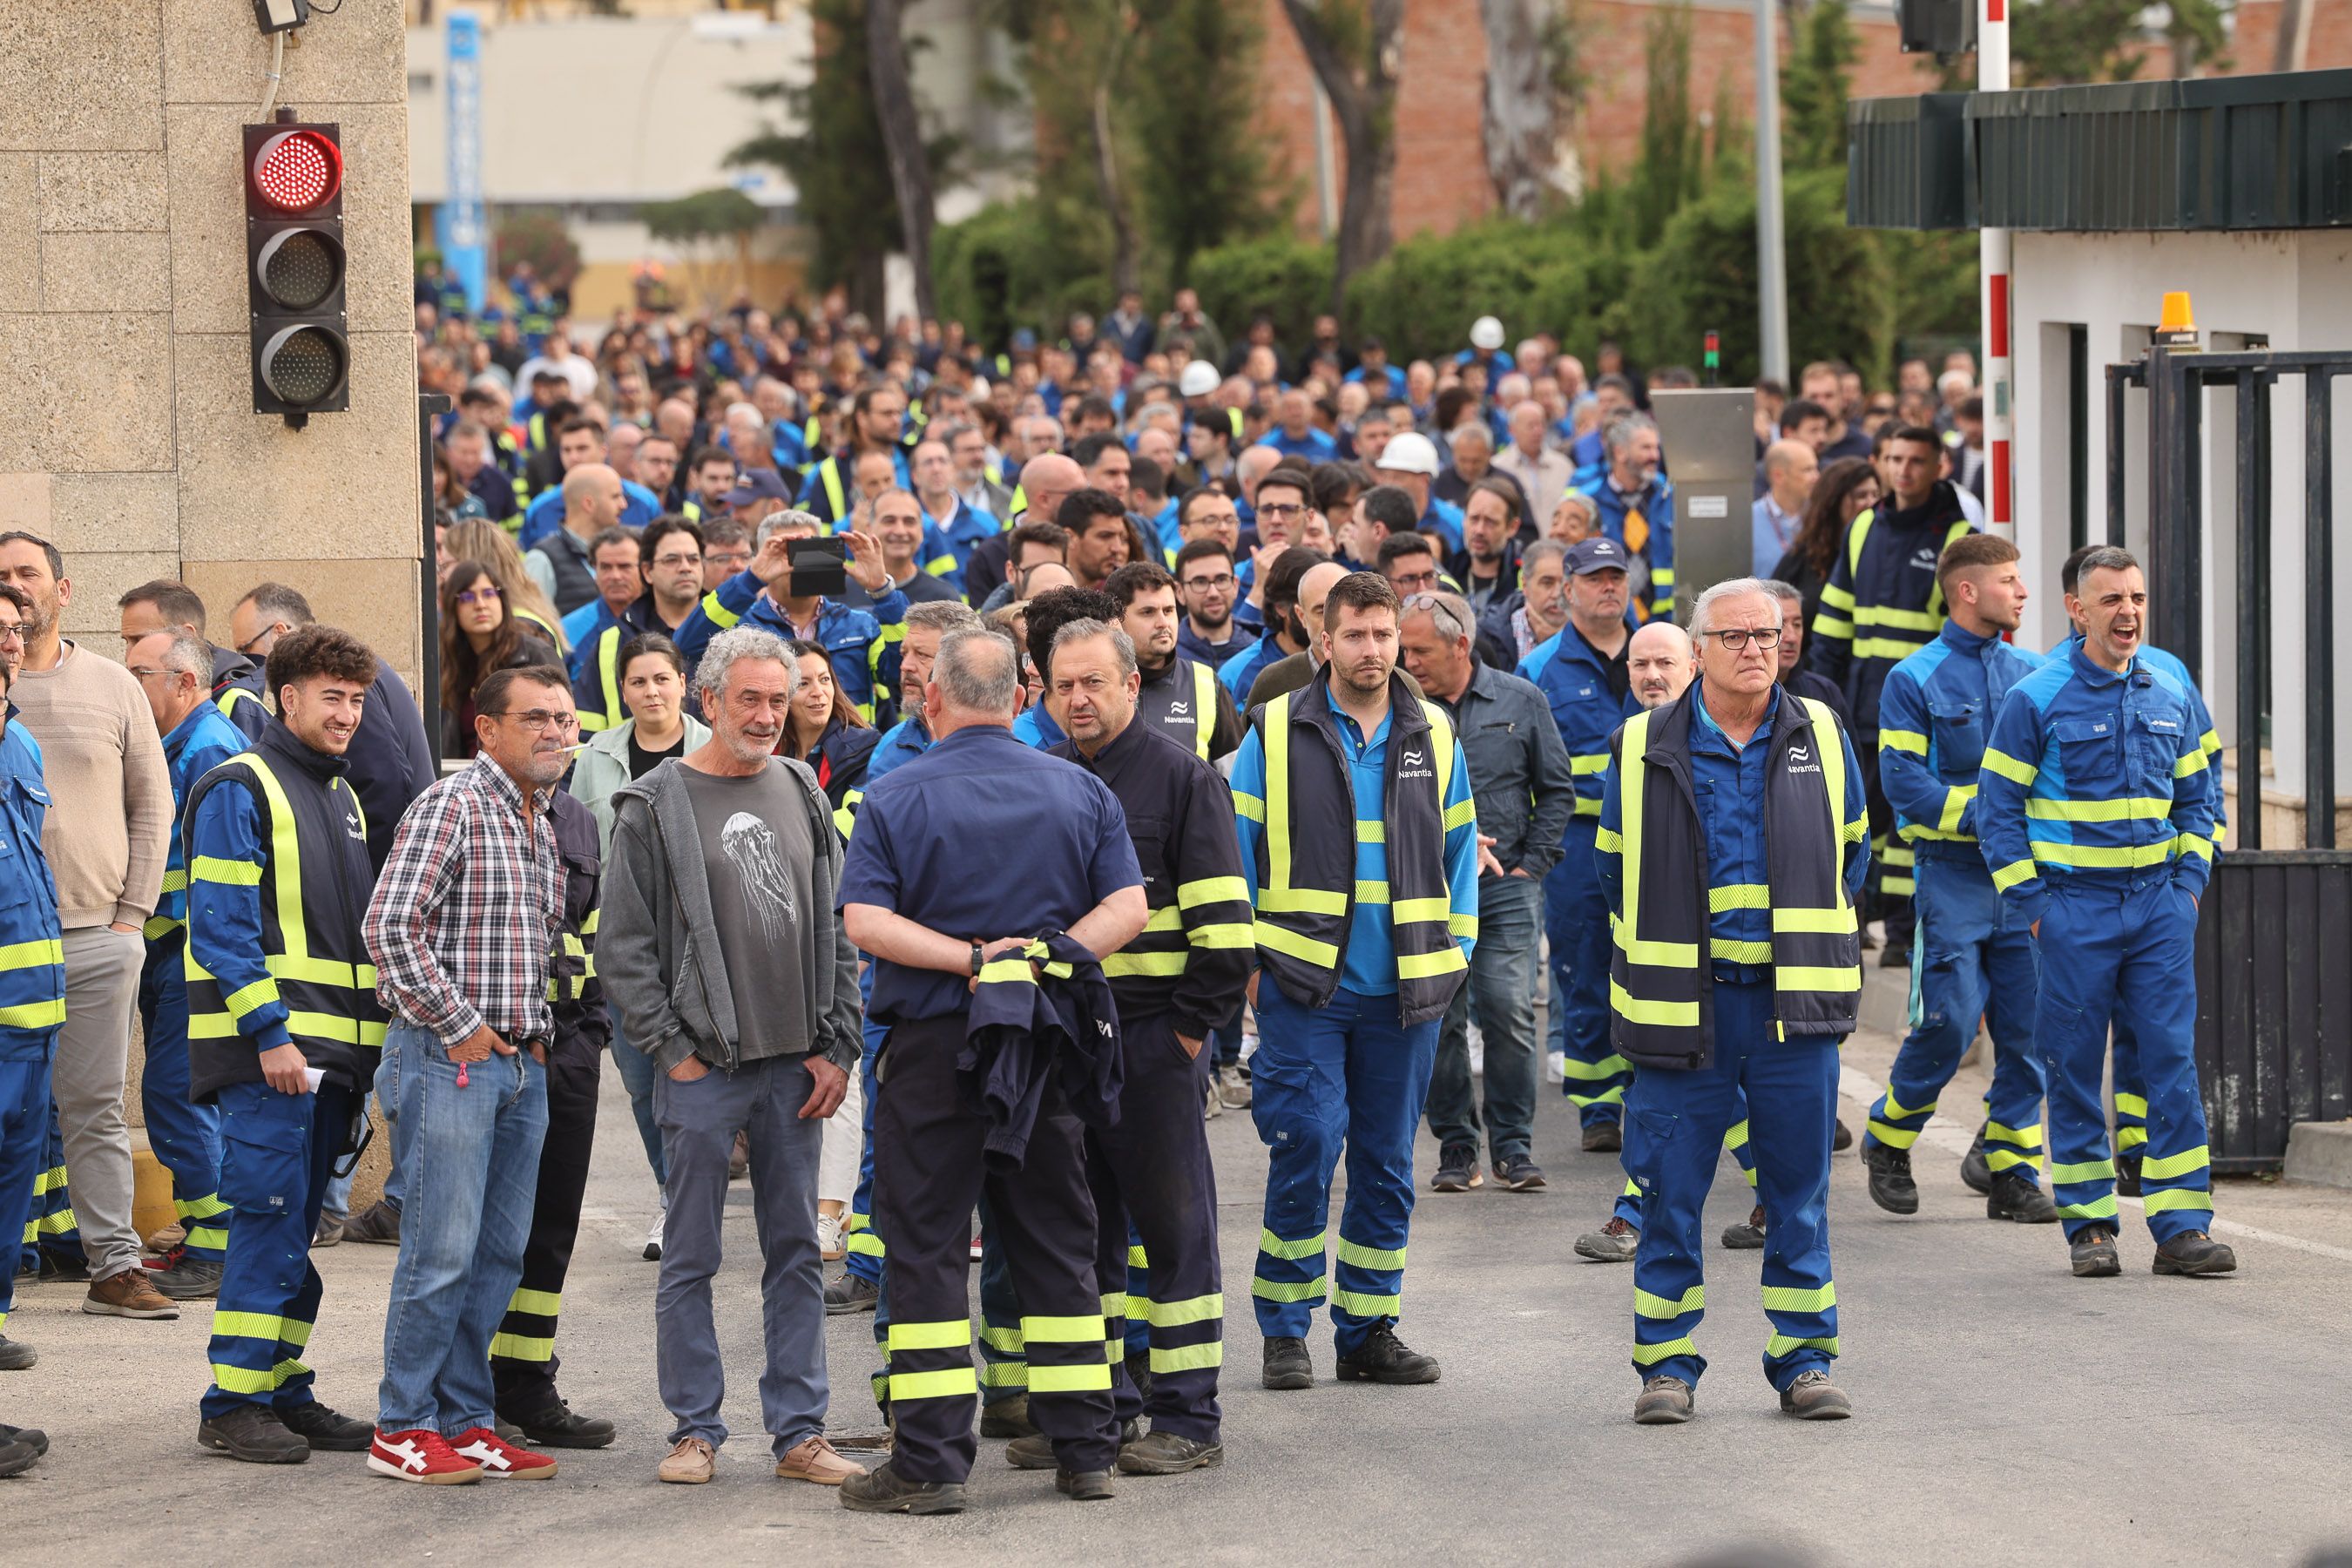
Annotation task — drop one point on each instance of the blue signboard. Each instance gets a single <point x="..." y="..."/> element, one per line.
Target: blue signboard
<point x="465" y="237"/>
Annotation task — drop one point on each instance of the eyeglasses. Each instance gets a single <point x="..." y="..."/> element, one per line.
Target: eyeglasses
<point x="1738" y="639"/>
<point x="677" y="561"/>
<point x="135" y="669"/>
<point x="1437" y="608"/>
<point x="1220" y="583"/>
<point x="541" y="718"/>
<point x="1405" y="581"/>
<point x="258" y="637"/>
<point x="1281" y="508"/>
<point x="15" y="634"/>
<point x="487" y="594"/>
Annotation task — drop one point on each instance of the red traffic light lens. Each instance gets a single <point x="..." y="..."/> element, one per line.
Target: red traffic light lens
<point x="298" y="170"/>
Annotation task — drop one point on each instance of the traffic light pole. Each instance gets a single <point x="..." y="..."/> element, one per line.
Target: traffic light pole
<point x="428" y="584"/>
<point x="1992" y="265"/>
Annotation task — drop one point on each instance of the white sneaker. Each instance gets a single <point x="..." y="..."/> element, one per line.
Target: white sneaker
<point x="654" y="1237"/>
<point x="828" y="1237"/>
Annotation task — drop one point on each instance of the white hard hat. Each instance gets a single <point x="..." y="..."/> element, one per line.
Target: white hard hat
<point x="1200" y="379"/>
<point x="1486" y="333"/>
<point x="1408" y="452"/>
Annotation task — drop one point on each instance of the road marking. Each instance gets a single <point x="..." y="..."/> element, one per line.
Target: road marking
<point x="1858" y="1087"/>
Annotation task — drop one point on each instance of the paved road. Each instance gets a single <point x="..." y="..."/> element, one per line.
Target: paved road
<point x="2008" y="1412"/>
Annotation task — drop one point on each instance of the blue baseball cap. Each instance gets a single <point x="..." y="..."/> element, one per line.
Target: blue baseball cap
<point x="1598" y="553"/>
<point x="757" y="484"/>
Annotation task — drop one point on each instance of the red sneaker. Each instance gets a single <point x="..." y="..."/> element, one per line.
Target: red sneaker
<point x="499" y="1459"/>
<point x="421" y="1455"/>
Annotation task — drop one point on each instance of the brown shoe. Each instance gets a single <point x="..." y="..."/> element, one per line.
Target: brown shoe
<point x="688" y="1463"/>
<point x="814" y="1460"/>
<point x="129" y="1295"/>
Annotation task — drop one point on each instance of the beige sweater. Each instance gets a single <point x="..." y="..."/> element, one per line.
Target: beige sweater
<point x="110" y="823"/>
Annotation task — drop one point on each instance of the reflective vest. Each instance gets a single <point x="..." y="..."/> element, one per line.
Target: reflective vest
<point x="1661" y="990"/>
<point x="1191" y="721"/>
<point x="229" y="698"/>
<point x="1308" y="889"/>
<point x="312" y="897"/>
<point x="572" y="966"/>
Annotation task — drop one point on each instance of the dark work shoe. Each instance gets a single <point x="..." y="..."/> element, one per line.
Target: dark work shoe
<point x="2017" y="1197"/>
<point x="188" y="1279"/>
<point x="1893" y="957"/>
<point x="1748" y="1236"/>
<point x="1007" y="1418"/>
<point x="1457" y="1170"/>
<point x="378" y="1224"/>
<point x="882" y="1490"/>
<point x="63" y="1268"/>
<point x="1976" y="1169"/>
<point x="1841" y="1139"/>
<point x="1286" y="1366"/>
<point x="1603" y="1138"/>
<point x="1891" y="1186"/>
<point x="1084" y="1485"/>
<point x="558" y="1426"/>
<point x="850" y="1294"/>
<point x="1518" y="1173"/>
<point x="16" y="1458"/>
<point x="2127" y="1175"/>
<point x="16" y="1355"/>
<point x="1138" y="1372"/>
<point x="326" y="1432"/>
<point x="1035" y="1451"/>
<point x="2094" y="1255"/>
<point x="1613" y="1243"/>
<point x="254" y="1434"/>
<point x="2194" y="1252"/>
<point x="1383" y="1358"/>
<point x="1166" y="1454"/>
<point x="1814" y="1397"/>
<point x="33" y="1436"/>
<point x="1664" y="1402"/>
<point x="330" y="1231"/>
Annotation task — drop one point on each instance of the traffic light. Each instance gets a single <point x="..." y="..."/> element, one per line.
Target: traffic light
<point x="295" y="269"/>
<point x="1938" y="28"/>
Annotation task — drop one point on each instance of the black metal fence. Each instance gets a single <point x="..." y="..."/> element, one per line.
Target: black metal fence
<point x="2274" y="942"/>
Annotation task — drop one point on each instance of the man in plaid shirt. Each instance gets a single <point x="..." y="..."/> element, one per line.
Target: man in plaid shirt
<point x="466" y="911"/>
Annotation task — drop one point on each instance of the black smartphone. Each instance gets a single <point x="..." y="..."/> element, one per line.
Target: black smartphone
<point x="818" y="566"/>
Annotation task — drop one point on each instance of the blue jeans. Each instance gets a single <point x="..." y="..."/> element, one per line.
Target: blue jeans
<point x="1502" y="991"/>
<point x="638" y="1073"/>
<point x="471" y="1154"/>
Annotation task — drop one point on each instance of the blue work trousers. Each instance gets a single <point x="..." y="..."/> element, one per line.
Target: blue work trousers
<point x="1576" y="920"/>
<point x="185" y="1136"/>
<point x="24" y="1145"/>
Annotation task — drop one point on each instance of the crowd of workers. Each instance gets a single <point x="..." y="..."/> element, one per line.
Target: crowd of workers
<point x="761" y="638"/>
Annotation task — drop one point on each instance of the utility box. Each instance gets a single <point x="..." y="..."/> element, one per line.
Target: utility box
<point x="1939" y="28"/>
<point x="1708" y="436"/>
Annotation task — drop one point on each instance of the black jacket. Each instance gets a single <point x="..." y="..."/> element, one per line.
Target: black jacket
<point x="582" y="1027"/>
<point x="1023" y="1033"/>
<point x="390" y="763"/>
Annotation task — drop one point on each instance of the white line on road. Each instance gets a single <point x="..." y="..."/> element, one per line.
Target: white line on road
<point x="1948" y="1135"/>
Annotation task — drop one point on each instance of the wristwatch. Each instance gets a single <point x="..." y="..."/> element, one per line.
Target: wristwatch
<point x="975" y="960"/>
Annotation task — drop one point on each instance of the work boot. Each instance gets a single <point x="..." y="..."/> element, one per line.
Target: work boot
<point x="1976" y="1166"/>
<point x="1286" y="1364"/>
<point x="1842" y="1137"/>
<point x="1138" y="1372"/>
<point x="330" y="1231"/>
<point x="1891" y="1186"/>
<point x="127" y="1295"/>
<point x="2094" y="1254"/>
<point x="63" y="1268"/>
<point x="2017" y="1197"/>
<point x="254" y="1434"/>
<point x="882" y="1490"/>
<point x="1166" y="1454"/>
<point x="1234" y="1087"/>
<point x="32" y="1434"/>
<point x="326" y="1432"/>
<point x="2194" y="1252"/>
<point x="557" y="1426"/>
<point x="187" y="1279"/>
<point x="1664" y="1402"/>
<point x="379" y="1225"/>
<point x="850" y="1293"/>
<point x="2127" y="1174"/>
<point x="16" y="1458"/>
<point x="1035" y="1452"/>
<point x="1893" y="957"/>
<point x="16" y="1355"/>
<point x="1457" y="1169"/>
<point x="1007" y="1418"/>
<point x="1603" y="1138"/>
<point x="1084" y="1485"/>
<point x="1518" y="1173"/>
<point x="1748" y="1236"/>
<point x="1383" y="1358"/>
<point x="1814" y="1397"/>
<point x="1613" y="1243"/>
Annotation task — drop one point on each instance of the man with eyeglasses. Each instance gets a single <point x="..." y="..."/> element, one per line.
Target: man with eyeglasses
<point x="1732" y="846"/>
<point x="726" y="549"/>
<point x="1209" y="634"/>
<point x="1520" y="776"/>
<point x="469" y="906"/>
<point x="668" y="574"/>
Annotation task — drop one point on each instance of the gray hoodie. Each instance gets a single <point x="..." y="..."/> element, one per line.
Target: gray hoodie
<point x="657" y="951"/>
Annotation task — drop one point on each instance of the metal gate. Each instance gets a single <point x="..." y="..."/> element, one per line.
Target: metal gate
<point x="2274" y="937"/>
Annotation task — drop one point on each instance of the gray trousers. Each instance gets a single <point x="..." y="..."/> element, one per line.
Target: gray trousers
<point x="93" y="1057"/>
<point x="699" y="1121"/>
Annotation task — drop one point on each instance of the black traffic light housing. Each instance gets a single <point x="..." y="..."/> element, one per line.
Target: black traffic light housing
<point x="1940" y="27"/>
<point x="295" y="269"/>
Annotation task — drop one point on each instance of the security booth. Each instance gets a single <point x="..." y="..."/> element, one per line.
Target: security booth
<point x="2181" y="308"/>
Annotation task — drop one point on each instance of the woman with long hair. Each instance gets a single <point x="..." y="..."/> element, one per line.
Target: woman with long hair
<point x="479" y="633"/>
<point x="652" y="690"/>
<point x="478" y="539"/>
<point x="1845" y="490"/>
<point x="825" y="730"/>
